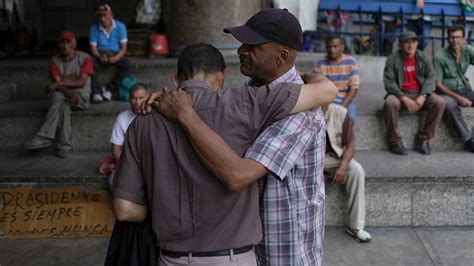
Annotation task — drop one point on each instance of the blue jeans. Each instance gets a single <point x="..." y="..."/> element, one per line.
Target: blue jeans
<point x="454" y="114"/>
<point x="352" y="110"/>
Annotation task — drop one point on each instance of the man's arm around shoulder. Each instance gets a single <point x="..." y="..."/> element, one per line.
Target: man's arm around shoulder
<point x="235" y="172"/>
<point x="317" y="91"/>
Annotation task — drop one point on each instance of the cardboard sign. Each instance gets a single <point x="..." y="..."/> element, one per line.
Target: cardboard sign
<point x="27" y="212"/>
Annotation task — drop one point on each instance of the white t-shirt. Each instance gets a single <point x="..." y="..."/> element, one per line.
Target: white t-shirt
<point x="121" y="124"/>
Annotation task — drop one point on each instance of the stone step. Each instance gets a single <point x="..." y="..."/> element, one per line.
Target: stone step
<point x="26" y="78"/>
<point x="371" y="134"/>
<point x="413" y="190"/>
<point x="91" y="129"/>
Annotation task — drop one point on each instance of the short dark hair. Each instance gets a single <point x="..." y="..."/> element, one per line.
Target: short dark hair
<point x="454" y="28"/>
<point x="197" y="58"/>
<point x="334" y="37"/>
<point x="139" y="86"/>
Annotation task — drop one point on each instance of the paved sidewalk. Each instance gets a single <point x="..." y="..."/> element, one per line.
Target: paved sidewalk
<point x="389" y="246"/>
<point x="401" y="246"/>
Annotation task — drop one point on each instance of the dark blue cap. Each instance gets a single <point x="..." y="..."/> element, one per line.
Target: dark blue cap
<point x="271" y="24"/>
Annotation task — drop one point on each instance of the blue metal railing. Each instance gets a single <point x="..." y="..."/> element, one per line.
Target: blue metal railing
<point x="401" y="8"/>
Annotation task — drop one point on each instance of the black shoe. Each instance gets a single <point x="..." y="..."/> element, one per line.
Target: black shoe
<point x="63" y="153"/>
<point x="424" y="147"/>
<point x="398" y="149"/>
<point x="469" y="145"/>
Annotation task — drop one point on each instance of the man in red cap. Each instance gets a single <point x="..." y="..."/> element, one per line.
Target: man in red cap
<point x="70" y="89"/>
<point x="108" y="40"/>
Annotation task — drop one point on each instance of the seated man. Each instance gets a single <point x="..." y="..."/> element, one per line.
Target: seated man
<point x="341" y="69"/>
<point x="108" y="41"/>
<point x="340" y="165"/>
<point x="409" y="79"/>
<point x="130" y="243"/>
<point x="69" y="90"/>
<point x="450" y="65"/>
<point x="138" y="94"/>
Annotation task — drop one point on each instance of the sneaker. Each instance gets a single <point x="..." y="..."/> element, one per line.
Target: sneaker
<point x="37" y="143"/>
<point x="398" y="149"/>
<point x="360" y="235"/>
<point x="63" y="153"/>
<point x="107" y="95"/>
<point x="97" y="98"/>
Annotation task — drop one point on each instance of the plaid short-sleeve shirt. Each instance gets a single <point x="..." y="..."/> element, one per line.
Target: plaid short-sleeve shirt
<point x="292" y="199"/>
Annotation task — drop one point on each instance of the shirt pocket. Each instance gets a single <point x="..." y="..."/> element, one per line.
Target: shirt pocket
<point x="448" y="72"/>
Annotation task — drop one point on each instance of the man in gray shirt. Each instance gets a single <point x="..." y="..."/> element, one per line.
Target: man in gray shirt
<point x="70" y="87"/>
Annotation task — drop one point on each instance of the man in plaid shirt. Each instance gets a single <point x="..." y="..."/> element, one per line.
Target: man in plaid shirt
<point x="290" y="152"/>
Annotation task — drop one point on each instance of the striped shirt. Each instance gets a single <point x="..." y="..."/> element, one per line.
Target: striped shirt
<point x="344" y="74"/>
<point x="292" y="199"/>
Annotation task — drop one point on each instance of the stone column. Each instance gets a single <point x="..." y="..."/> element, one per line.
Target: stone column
<point x="194" y="21"/>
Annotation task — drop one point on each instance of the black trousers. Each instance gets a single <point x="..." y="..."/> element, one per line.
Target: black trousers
<point x="132" y="244"/>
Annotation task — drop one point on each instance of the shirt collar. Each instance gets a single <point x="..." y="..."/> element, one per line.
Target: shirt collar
<point x="194" y="83"/>
<point x="107" y="34"/>
<point x="291" y="76"/>
<point x="451" y="50"/>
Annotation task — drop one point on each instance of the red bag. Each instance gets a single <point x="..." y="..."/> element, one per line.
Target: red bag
<point x="158" y="45"/>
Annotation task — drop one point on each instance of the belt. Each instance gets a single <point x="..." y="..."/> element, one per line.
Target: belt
<point x="176" y="254"/>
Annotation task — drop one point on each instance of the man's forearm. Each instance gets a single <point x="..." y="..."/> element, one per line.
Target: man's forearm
<point x="122" y="52"/>
<point x="348" y="136"/>
<point x="74" y="84"/>
<point x="444" y="90"/>
<point x="94" y="51"/>
<point x="116" y="152"/>
<point x="235" y="172"/>
<point x="348" y="154"/>
<point x="349" y="96"/>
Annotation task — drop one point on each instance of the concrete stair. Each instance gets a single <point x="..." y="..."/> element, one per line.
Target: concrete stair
<point x="91" y="129"/>
<point x="415" y="190"/>
<point x="398" y="191"/>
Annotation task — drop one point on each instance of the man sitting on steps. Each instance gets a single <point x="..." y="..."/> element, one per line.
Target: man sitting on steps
<point x="339" y="164"/>
<point x="138" y="94"/>
<point x="409" y="79"/>
<point x="108" y="41"/>
<point x="450" y="64"/>
<point x="70" y="89"/>
<point x="341" y="69"/>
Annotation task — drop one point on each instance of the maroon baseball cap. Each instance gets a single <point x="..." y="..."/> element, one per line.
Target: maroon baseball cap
<point x="103" y="9"/>
<point x="271" y="24"/>
<point x="66" y="35"/>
